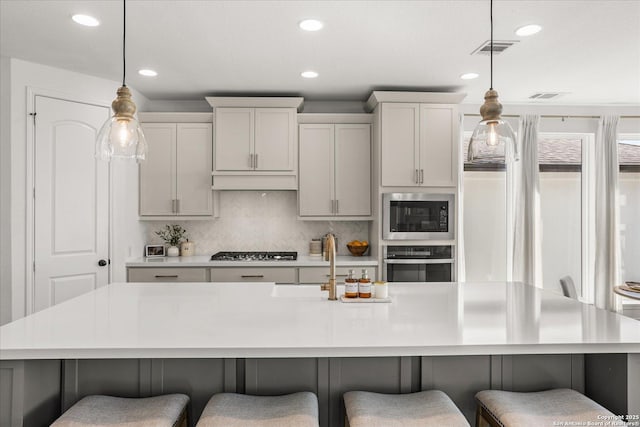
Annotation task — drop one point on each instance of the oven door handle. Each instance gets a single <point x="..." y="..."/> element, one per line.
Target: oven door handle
<point x="419" y="261"/>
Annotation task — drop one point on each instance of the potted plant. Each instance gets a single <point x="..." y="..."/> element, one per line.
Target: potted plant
<point x="172" y="236"/>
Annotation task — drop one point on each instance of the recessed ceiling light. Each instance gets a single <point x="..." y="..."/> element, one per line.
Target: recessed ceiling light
<point x="309" y="74"/>
<point x="528" y="30"/>
<point x="469" y="76"/>
<point x="147" y="73"/>
<point x="86" y="20"/>
<point x="311" y="25"/>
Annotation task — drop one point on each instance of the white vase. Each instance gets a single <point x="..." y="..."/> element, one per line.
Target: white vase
<point x="173" y="251"/>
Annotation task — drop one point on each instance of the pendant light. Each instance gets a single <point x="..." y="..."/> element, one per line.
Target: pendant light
<point x="492" y="130"/>
<point x="121" y="136"/>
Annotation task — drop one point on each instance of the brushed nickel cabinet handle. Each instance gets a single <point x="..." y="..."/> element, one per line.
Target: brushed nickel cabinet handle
<point x="256" y="161"/>
<point x="421" y="176"/>
<point x="177" y="205"/>
<point x="416" y="177"/>
<point x="252" y="276"/>
<point x="337" y="206"/>
<point x="166" y="276"/>
<point x="173" y="205"/>
<point x="250" y="161"/>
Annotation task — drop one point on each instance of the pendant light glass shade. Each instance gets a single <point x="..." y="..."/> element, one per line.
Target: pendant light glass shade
<point x="121" y="136"/>
<point x="493" y="136"/>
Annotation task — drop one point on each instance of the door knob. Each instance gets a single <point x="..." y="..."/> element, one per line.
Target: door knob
<point x="102" y="262"/>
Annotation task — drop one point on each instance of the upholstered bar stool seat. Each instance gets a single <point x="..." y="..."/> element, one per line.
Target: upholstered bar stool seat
<point x="545" y="408"/>
<point x="424" y="409"/>
<point x="241" y="410"/>
<point x="106" y="411"/>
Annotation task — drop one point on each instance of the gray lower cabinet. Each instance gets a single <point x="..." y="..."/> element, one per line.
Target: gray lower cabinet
<point x="285" y="275"/>
<point x="166" y="274"/>
<point x="279" y="275"/>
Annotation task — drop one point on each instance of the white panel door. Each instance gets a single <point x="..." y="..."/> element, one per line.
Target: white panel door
<point x="158" y="171"/>
<point x="71" y="222"/>
<point x="193" y="168"/>
<point x="353" y="169"/>
<point x="438" y="145"/>
<point x="275" y="139"/>
<point x="400" y="132"/>
<point x="234" y="139"/>
<point x="316" y="178"/>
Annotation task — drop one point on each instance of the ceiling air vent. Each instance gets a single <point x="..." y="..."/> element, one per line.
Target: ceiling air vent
<point x="499" y="46"/>
<point x="546" y="95"/>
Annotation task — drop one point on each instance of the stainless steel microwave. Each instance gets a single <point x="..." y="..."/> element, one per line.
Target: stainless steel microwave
<point x="417" y="216"/>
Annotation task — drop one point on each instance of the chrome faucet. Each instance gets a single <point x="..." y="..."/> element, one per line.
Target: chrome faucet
<point x="331" y="253"/>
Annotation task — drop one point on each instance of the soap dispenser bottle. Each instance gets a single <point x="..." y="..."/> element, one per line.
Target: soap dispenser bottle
<point x="364" y="285"/>
<point x="351" y="285"/>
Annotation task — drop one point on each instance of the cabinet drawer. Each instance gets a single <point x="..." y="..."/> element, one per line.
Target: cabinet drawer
<point x="252" y="274"/>
<point x="321" y="274"/>
<point x="166" y="274"/>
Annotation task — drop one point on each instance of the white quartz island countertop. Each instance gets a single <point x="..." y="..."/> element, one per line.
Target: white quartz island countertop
<point x="205" y="261"/>
<point x="235" y="320"/>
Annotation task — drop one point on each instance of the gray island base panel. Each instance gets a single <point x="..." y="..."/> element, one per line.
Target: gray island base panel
<point x="200" y="339"/>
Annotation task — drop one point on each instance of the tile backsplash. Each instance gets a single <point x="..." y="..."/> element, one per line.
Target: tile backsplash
<point x="260" y="221"/>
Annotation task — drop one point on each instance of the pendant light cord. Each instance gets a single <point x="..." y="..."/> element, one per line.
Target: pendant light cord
<point x="124" y="38"/>
<point x="491" y="56"/>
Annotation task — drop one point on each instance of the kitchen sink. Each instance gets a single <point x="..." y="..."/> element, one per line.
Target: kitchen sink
<point x="300" y="291"/>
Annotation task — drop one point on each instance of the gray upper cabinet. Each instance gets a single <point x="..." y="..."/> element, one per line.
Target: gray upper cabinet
<point x="419" y="145"/>
<point x="255" y="143"/>
<point x="175" y="179"/>
<point x="255" y="139"/>
<point x="335" y="170"/>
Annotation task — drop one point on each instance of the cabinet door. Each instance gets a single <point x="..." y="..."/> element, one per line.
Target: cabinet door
<point x="158" y="171"/>
<point x="253" y="274"/>
<point x="353" y="169"/>
<point x="439" y="145"/>
<point x="194" y="169"/>
<point x="166" y="274"/>
<point x="399" y="145"/>
<point x="275" y="136"/>
<point x="316" y="178"/>
<point x="234" y="135"/>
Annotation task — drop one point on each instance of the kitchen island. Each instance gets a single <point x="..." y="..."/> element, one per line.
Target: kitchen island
<point x="140" y="339"/>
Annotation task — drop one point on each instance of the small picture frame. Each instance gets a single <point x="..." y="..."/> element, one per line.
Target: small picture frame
<point x="151" y="251"/>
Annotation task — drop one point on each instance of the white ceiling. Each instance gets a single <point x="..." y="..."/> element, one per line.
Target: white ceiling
<point x="590" y="49"/>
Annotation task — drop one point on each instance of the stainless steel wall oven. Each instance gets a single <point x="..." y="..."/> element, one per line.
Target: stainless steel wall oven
<point x="419" y="263"/>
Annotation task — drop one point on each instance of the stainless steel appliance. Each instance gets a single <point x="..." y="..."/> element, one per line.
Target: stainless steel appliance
<point x="254" y="256"/>
<point x="417" y="216"/>
<point x="419" y="263"/>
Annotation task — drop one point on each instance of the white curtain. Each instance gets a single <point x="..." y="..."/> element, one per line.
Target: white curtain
<point x="461" y="276"/>
<point x="607" y="258"/>
<point x="527" y="253"/>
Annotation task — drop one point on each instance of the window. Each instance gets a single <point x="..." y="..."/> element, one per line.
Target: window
<point x="629" y="206"/>
<point x="485" y="216"/>
<point x="566" y="207"/>
<point x="563" y="210"/>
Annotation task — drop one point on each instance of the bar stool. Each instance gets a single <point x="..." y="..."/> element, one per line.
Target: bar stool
<point x="106" y="411"/>
<point x="241" y="410"/>
<point x="431" y="408"/>
<point x="544" y="408"/>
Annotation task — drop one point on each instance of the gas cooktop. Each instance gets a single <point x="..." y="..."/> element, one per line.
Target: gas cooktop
<point x="255" y="256"/>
